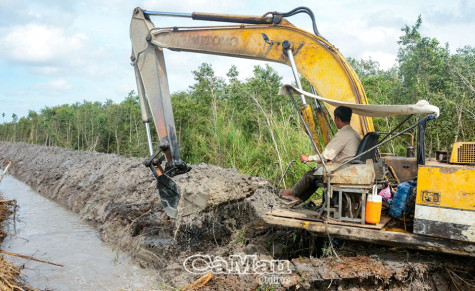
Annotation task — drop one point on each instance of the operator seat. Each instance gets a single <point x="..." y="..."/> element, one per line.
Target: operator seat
<point x="369" y="141"/>
<point x="345" y="194"/>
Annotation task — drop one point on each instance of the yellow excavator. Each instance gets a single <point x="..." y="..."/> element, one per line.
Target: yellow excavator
<point x="444" y="216"/>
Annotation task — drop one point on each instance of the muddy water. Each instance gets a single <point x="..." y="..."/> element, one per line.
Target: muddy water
<point x="47" y="231"/>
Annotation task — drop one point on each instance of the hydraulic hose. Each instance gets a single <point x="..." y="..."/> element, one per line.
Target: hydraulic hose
<point x="306" y="10"/>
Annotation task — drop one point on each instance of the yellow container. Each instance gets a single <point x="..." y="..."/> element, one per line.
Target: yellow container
<point x="374" y="204"/>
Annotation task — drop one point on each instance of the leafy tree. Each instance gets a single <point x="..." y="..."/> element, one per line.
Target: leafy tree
<point x="428" y="72"/>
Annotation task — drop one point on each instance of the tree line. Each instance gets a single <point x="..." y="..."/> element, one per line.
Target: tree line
<point x="246" y="125"/>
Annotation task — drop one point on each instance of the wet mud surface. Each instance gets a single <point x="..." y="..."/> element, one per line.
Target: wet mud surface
<point x="118" y="197"/>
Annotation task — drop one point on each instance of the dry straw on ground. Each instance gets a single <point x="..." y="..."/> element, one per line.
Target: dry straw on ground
<point x="9" y="273"/>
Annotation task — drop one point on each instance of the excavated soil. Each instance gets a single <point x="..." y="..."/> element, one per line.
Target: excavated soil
<point x="118" y="196"/>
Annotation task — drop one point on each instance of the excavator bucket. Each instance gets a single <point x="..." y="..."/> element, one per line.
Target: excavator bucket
<point x="168" y="191"/>
<point x="166" y="186"/>
<point x="174" y="203"/>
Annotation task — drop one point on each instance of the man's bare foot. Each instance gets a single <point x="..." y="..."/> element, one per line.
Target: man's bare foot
<point x="287" y="194"/>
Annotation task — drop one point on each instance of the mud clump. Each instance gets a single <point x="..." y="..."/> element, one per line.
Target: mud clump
<point x="233" y="201"/>
<point x="118" y="196"/>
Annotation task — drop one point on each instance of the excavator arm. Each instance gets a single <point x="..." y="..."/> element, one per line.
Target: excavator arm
<point x="268" y="38"/>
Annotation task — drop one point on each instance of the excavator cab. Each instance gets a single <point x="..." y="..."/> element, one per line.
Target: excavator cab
<point x="350" y="183"/>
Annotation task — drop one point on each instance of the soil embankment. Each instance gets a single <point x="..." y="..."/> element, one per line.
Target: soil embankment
<point x="118" y="196"/>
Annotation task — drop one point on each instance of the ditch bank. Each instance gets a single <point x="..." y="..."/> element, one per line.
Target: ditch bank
<point x="118" y="196"/>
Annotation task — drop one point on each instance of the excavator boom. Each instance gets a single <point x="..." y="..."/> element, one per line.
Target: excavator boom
<point x="268" y="38"/>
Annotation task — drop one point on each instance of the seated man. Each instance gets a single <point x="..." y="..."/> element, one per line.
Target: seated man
<point x="341" y="148"/>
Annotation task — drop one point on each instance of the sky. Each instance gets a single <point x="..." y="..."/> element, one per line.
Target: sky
<point x="55" y="52"/>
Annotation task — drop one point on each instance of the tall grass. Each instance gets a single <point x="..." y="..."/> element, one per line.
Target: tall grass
<point x="265" y="153"/>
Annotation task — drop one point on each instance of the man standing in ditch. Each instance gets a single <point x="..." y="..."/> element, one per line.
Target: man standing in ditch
<point x="341" y="148"/>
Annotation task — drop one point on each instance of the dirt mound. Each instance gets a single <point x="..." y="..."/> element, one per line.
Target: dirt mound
<point x="118" y="196"/>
